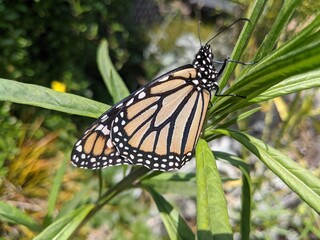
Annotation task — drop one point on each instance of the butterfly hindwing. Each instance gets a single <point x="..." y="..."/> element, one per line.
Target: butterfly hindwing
<point x="95" y="149"/>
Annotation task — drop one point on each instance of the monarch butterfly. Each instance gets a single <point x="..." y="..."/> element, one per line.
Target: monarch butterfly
<point x="158" y="125"/>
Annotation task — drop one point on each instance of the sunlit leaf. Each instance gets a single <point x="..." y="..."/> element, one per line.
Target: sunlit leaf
<point x="212" y="214"/>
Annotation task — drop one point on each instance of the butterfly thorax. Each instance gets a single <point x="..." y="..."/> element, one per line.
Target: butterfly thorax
<point x="206" y="73"/>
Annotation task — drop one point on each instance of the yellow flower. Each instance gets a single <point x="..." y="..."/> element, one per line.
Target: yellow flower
<point x="58" y="86"/>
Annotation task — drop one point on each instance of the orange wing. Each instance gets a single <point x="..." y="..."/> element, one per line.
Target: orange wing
<point x="160" y="125"/>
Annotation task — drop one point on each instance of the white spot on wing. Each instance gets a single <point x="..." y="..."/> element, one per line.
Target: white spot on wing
<point x="129" y="102"/>
<point x="141" y="95"/>
<point x="99" y="127"/>
<point x="106" y="131"/>
<point x="164" y="79"/>
<point x="79" y="148"/>
<point x="109" y="143"/>
<point x="119" y="105"/>
<point x="104" y="117"/>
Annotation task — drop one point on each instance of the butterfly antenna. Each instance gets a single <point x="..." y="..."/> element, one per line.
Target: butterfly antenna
<point x="224" y="29"/>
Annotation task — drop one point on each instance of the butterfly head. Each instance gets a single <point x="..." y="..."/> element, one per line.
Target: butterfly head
<point x="203" y="63"/>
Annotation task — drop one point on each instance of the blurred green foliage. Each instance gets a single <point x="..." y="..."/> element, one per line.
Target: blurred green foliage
<point x="46" y="41"/>
<point x="9" y="135"/>
<point x="43" y="41"/>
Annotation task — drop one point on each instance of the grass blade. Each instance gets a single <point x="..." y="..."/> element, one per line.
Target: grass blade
<point x="54" y="193"/>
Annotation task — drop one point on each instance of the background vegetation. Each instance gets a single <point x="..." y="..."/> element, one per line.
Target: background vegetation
<point x="267" y="186"/>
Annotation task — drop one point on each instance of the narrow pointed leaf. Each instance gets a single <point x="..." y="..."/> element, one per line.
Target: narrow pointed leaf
<point x="39" y="96"/>
<point x="54" y="193"/>
<point x="288" y="7"/>
<point x="300" y="180"/>
<point x="246" y="202"/>
<point x="265" y="75"/>
<point x="111" y="78"/>
<point x="291" y="85"/>
<point x="14" y="215"/>
<point x="65" y="226"/>
<point x="175" y="225"/>
<point x="246" y="197"/>
<point x="212" y="214"/>
<point x="243" y="39"/>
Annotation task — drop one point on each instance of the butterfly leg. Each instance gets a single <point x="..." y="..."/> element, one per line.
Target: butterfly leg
<point x="242" y="63"/>
<point x="220" y="72"/>
<point x="224" y="63"/>
<point x="227" y="60"/>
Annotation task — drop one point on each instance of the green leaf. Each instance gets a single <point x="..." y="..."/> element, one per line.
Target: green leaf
<point x="39" y="96"/>
<point x="265" y="75"/>
<point x="246" y="190"/>
<point x="14" y="215"/>
<point x="65" y="226"/>
<point x="246" y="202"/>
<point x="283" y="17"/>
<point x="308" y="34"/>
<point x="175" y="225"/>
<point x="212" y="214"/>
<point x="111" y="78"/>
<point x="54" y="193"/>
<point x="269" y="73"/>
<point x="292" y="174"/>
<point x="291" y="85"/>
<point x="243" y="39"/>
<point x="299" y="55"/>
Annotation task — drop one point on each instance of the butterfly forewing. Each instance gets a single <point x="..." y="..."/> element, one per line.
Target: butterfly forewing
<point x="159" y="126"/>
